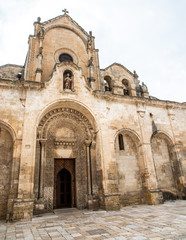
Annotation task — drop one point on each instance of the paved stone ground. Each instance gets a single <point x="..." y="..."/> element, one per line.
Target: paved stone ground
<point x="166" y="221"/>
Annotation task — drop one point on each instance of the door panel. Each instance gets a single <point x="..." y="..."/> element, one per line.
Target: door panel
<point x="64" y="190"/>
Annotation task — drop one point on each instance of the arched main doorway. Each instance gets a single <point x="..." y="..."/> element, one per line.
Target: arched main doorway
<point x="64" y="189"/>
<point x="66" y="142"/>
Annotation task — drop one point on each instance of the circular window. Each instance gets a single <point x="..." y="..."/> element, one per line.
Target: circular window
<point x="65" y="58"/>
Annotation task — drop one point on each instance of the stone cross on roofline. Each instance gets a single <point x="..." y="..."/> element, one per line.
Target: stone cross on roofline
<point x="65" y="11"/>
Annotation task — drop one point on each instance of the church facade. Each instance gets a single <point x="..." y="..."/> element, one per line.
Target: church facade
<point x="75" y="135"/>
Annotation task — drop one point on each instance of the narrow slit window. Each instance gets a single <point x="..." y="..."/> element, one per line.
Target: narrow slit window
<point x="121" y="143"/>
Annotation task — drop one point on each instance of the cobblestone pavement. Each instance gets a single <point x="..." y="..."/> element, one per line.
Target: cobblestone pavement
<point x="166" y="221"/>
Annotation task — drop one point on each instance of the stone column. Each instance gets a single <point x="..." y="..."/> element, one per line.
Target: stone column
<point x="93" y="167"/>
<point x="42" y="167"/>
<point x="152" y="193"/>
<point x="89" y="180"/>
<point x="39" y="205"/>
<point x="95" y="201"/>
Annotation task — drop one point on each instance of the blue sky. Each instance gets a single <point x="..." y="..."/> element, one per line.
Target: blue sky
<point x="148" y="36"/>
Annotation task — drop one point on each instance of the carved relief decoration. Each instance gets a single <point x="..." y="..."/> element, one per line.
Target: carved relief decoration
<point x="67" y="113"/>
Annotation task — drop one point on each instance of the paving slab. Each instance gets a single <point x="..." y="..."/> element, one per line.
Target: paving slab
<point x="159" y="222"/>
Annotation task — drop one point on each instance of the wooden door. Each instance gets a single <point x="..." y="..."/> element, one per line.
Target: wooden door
<point x="64" y="191"/>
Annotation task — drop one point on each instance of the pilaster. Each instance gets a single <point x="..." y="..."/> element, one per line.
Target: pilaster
<point x="150" y="184"/>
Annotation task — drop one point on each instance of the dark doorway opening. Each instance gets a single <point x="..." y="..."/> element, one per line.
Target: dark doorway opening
<point x="64" y="189"/>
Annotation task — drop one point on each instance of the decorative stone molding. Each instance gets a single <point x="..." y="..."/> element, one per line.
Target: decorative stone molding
<point x="65" y="142"/>
<point x="21" y="84"/>
<point x="68" y="113"/>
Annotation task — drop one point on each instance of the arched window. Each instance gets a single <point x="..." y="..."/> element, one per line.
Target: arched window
<point x="125" y="87"/>
<point x="121" y="142"/>
<point x="68" y="81"/>
<point x="65" y="58"/>
<point x="107" y="83"/>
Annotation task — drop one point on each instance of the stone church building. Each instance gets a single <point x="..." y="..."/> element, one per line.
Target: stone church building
<point x="75" y="135"/>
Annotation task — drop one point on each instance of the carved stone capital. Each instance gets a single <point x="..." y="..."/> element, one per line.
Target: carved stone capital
<point x="88" y="142"/>
<point x="43" y="142"/>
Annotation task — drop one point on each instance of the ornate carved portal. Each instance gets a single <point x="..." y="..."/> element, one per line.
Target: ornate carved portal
<point x="67" y="141"/>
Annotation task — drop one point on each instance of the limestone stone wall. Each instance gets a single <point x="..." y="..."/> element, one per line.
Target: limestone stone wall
<point x="128" y="168"/>
<point x="163" y="164"/>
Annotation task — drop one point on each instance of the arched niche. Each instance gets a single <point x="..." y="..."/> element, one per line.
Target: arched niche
<point x="126" y="87"/>
<point x="107" y="83"/>
<point x="166" y="164"/>
<point x="68" y="80"/>
<point x="6" y="158"/>
<point x="129" y="167"/>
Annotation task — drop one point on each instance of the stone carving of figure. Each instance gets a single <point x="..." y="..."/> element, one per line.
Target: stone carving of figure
<point x="68" y="81"/>
<point x="90" y="40"/>
<point x="41" y="33"/>
<point x="144" y="88"/>
<point x="38" y="19"/>
<point x="90" y="62"/>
